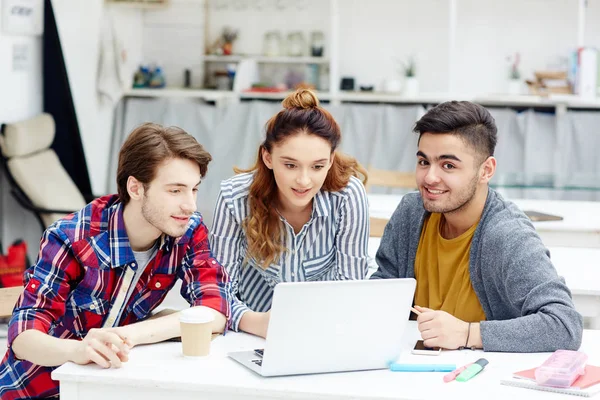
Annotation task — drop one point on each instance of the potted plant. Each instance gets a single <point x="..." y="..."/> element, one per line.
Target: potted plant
<point x="411" y="83"/>
<point x="228" y="37"/>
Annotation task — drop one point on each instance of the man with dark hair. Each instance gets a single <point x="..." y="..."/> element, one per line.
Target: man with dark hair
<point x="106" y="267"/>
<point x="484" y="278"/>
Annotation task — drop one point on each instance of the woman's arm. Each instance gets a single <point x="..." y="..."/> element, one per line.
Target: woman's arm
<point x="352" y="235"/>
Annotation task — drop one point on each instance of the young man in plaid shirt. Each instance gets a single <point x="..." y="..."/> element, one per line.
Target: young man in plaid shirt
<point x="105" y="268"/>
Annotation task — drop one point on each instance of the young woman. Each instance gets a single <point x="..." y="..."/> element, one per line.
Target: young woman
<point x="300" y="214"/>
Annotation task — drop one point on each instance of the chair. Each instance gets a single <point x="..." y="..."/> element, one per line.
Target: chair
<point x="8" y="298"/>
<point x="37" y="179"/>
<point x="390" y="179"/>
<point x="377" y="226"/>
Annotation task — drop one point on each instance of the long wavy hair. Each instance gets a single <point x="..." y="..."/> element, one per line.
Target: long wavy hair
<point x="301" y="114"/>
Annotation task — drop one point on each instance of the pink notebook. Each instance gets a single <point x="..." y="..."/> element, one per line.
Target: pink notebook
<point x="586" y="385"/>
<point x="590" y="378"/>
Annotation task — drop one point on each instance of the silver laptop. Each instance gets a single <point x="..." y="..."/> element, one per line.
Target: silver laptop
<point x="333" y="326"/>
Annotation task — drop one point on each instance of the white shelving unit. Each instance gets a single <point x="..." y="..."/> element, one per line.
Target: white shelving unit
<point x="267" y="59"/>
<point x="249" y="70"/>
<point x="209" y="95"/>
<point x="248" y="66"/>
<point x="499" y="100"/>
<point x="335" y="96"/>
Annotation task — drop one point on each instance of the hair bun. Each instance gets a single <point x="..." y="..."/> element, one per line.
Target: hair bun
<point x="301" y="98"/>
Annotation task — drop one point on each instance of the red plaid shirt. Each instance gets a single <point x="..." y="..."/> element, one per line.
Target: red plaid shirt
<point x="79" y="271"/>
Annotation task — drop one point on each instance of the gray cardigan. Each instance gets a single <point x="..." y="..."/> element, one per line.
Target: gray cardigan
<point x="528" y="307"/>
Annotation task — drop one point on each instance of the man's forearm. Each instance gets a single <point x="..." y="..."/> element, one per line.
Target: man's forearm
<point x="158" y="329"/>
<point x="42" y="349"/>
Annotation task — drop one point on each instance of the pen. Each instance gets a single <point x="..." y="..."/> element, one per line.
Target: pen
<point x="452" y="375"/>
<point x="472" y="370"/>
<point x="422" y="367"/>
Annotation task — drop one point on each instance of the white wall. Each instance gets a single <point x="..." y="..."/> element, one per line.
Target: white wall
<point x="21" y="95"/>
<point x="20" y="98"/>
<point x="174" y="39"/>
<point x="377" y="35"/>
<point x="542" y="31"/>
<point x="592" y="23"/>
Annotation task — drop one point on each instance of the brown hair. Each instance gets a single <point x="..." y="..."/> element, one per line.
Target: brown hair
<point x="301" y="114"/>
<point x="149" y="145"/>
<point x="471" y="122"/>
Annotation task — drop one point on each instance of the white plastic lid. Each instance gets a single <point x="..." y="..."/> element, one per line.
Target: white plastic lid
<point x="196" y="315"/>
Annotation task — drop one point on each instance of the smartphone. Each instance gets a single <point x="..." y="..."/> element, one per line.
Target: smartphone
<point x="420" y="349"/>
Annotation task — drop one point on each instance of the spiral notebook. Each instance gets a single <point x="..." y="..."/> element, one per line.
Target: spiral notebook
<point x="586" y="385"/>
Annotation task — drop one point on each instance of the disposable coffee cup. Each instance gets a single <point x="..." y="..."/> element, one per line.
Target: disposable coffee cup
<point x="196" y="331"/>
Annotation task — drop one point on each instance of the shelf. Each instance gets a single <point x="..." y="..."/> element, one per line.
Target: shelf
<point x="207" y="94"/>
<point x="147" y="5"/>
<point x="383" y="97"/>
<point x="267" y="59"/>
<point x="499" y="100"/>
<point x="278" y="95"/>
<point x="569" y="101"/>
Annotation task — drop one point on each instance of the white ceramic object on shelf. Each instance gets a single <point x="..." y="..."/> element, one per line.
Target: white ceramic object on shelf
<point x="515" y="86"/>
<point x="392" y="86"/>
<point x="246" y="74"/>
<point x="411" y="86"/>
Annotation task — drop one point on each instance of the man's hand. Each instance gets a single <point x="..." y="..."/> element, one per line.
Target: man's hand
<point x="440" y="329"/>
<point x="104" y="347"/>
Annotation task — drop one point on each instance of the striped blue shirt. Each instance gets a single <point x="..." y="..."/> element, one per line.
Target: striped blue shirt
<point x="332" y="245"/>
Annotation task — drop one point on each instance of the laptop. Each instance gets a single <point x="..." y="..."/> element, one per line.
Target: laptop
<point x="333" y="326"/>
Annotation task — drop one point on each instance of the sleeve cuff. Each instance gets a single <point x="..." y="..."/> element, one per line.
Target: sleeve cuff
<point x="237" y="311"/>
<point x="25" y="320"/>
<point x="216" y="303"/>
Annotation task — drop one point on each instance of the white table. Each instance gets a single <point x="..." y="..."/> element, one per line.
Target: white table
<point x="159" y="371"/>
<point x="579" y="228"/>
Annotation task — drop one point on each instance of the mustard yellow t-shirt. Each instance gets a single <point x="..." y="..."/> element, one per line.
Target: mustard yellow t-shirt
<point x="442" y="272"/>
